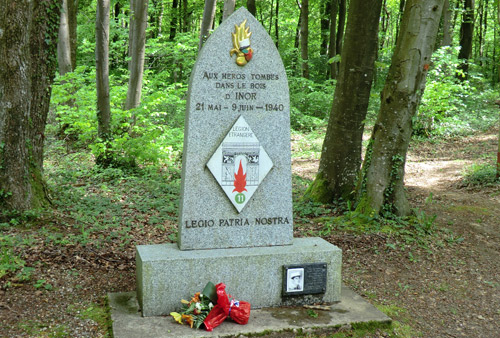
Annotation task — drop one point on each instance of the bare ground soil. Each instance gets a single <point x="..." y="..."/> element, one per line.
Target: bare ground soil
<point x="449" y="288"/>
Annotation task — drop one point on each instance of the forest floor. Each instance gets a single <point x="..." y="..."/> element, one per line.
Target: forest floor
<point x="448" y="286"/>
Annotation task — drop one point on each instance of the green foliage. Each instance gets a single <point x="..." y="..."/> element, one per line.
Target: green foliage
<point x="9" y="261"/>
<point x="150" y="133"/>
<point x="43" y="284"/>
<point x="453" y="107"/>
<point x="480" y="175"/>
<point x="302" y="122"/>
<point x="311" y="98"/>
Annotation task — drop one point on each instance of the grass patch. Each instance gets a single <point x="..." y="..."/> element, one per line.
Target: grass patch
<point x="104" y="205"/>
<point x="480" y="175"/>
<point x="471" y="209"/>
<point x="35" y="328"/>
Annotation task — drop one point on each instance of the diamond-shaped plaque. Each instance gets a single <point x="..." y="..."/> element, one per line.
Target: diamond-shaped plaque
<point x="240" y="164"/>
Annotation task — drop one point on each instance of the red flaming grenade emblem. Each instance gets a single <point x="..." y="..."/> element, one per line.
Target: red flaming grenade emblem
<point x="240" y="180"/>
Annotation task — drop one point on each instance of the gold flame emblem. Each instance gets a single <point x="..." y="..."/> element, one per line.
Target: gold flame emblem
<point x="241" y="44"/>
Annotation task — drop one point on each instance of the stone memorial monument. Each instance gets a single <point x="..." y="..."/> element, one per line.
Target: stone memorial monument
<point x="235" y="217"/>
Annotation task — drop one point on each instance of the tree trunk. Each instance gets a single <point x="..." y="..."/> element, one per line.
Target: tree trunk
<point x="466" y="38"/>
<point x="208" y="20"/>
<point x="483" y="25"/>
<point x="28" y="42"/>
<point x="340" y="29"/>
<point x="341" y="153"/>
<point x="102" y="80"/>
<point x="384" y="23"/>
<point x="228" y="8"/>
<point x="173" y="19"/>
<point x="332" y="44"/>
<point x="72" y="24"/>
<point x="304" y="38"/>
<point x="276" y="24"/>
<point x="339" y="36"/>
<point x="136" y="65"/>
<point x="380" y="186"/>
<point x="131" y="31"/>
<point x="296" y="44"/>
<point x="185" y="16"/>
<point x="325" y="26"/>
<point x="447" y="29"/>
<point x="251" y="7"/>
<point x="271" y="12"/>
<point x="402" y="4"/>
<point x="157" y="18"/>
<point x="63" y="44"/>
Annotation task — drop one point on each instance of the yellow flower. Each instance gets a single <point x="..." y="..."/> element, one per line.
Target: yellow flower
<point x="177" y="317"/>
<point x="189" y="319"/>
<point x="183" y="301"/>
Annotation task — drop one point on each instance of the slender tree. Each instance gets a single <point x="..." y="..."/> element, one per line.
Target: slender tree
<point x="381" y="183"/>
<point x="304" y="37"/>
<point x="228" y="8"/>
<point x="341" y="153"/>
<point x="339" y="8"/>
<point x="332" y="44"/>
<point x="325" y="26"/>
<point x="251" y="7"/>
<point x="136" y="65"/>
<point x="276" y="24"/>
<point x="185" y="16"/>
<point x="131" y="32"/>
<point x="28" y="39"/>
<point x="341" y="25"/>
<point x="384" y="23"/>
<point x="466" y="37"/>
<point x="296" y="44"/>
<point x="102" y="79"/>
<point x="173" y="18"/>
<point x="207" y="21"/>
<point x="447" y="28"/>
<point x="271" y="13"/>
<point x="72" y="24"/>
<point x="63" y="44"/>
<point x="402" y="4"/>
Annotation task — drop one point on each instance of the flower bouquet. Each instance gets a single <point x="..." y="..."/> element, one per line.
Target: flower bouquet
<point x="197" y="309"/>
<point x="211" y="307"/>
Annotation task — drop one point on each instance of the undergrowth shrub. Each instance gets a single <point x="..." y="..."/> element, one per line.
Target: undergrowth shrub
<point x="450" y="106"/>
<point x="480" y="175"/>
<point x="310" y="102"/>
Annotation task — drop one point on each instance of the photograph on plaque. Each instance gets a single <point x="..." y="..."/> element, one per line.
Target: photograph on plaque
<point x="304" y="279"/>
<point x="295" y="280"/>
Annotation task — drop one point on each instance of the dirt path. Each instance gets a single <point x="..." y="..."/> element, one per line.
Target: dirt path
<point x="452" y="288"/>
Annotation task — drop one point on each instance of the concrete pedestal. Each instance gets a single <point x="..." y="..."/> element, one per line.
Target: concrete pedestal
<point x="165" y="274"/>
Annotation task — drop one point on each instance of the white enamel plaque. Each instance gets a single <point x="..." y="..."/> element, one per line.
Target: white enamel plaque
<point x="240" y="164"/>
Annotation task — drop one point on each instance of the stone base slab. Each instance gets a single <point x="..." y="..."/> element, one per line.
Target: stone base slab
<point x="128" y="323"/>
<point x="165" y="274"/>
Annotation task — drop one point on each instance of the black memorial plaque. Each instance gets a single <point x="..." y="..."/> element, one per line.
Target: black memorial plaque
<point x="313" y="275"/>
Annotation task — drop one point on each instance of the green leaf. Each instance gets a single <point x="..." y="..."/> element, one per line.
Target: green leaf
<point x="210" y="293"/>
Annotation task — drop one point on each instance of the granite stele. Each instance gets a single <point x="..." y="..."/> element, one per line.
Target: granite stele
<point x="235" y="216"/>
